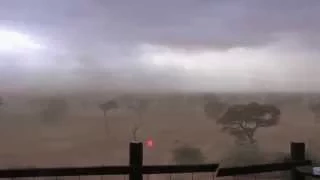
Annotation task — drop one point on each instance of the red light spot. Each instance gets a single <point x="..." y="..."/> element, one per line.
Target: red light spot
<point x="150" y="143"/>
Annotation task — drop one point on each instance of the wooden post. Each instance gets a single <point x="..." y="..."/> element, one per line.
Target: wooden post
<point x="297" y="151"/>
<point x="135" y="161"/>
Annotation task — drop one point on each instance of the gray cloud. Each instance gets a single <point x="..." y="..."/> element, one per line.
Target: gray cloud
<point x="192" y="23"/>
<point x="102" y="38"/>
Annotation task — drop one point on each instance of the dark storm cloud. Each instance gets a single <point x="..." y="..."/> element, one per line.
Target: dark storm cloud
<point x="212" y="23"/>
<point x="103" y="37"/>
<point x="194" y="23"/>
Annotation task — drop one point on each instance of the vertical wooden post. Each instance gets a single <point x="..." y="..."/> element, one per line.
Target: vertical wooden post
<point x="135" y="161"/>
<point x="297" y="151"/>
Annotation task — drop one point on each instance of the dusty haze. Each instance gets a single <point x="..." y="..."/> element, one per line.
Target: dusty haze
<point x="172" y="52"/>
<point x="81" y="138"/>
<point x="159" y="46"/>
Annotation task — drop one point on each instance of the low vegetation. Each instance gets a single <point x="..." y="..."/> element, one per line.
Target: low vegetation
<point x="187" y="154"/>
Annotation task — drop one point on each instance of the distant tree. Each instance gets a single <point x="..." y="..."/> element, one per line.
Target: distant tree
<point x="1" y="101"/>
<point x="315" y="109"/>
<point x="139" y="106"/>
<point x="55" y="110"/>
<point x="107" y="106"/>
<point x="242" y="121"/>
<point x="214" y="108"/>
<point x="186" y="154"/>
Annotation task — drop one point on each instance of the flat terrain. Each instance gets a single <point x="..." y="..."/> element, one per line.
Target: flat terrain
<point x="81" y="137"/>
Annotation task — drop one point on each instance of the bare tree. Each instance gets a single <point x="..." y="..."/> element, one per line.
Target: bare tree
<point x="105" y="107"/>
<point x="243" y="120"/>
<point x="139" y="106"/>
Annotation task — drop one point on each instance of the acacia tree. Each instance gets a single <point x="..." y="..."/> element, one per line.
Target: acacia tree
<point x="139" y="106"/>
<point x="242" y="121"/>
<point x="105" y="107"/>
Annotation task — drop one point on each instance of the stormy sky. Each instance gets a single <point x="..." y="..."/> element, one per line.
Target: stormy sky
<point x="160" y="45"/>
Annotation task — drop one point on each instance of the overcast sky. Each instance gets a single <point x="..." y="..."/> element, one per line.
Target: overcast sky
<point x="194" y="45"/>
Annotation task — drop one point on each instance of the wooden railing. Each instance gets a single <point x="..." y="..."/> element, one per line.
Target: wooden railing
<point x="136" y="170"/>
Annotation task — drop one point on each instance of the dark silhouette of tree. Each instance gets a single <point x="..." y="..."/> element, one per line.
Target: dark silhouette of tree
<point x="107" y="106"/>
<point x="139" y="106"/>
<point x="186" y="154"/>
<point x="315" y="109"/>
<point x="243" y="120"/>
<point x="214" y="108"/>
<point x="56" y="109"/>
<point x="1" y="101"/>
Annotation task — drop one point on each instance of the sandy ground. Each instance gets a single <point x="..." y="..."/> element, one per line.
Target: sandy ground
<point x="81" y="138"/>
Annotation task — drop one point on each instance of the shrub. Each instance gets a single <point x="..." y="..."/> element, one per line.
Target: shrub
<point x="188" y="155"/>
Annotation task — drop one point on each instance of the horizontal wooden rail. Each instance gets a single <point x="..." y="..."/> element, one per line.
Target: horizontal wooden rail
<point x="104" y="170"/>
<point x="261" y="168"/>
<point x="152" y="169"/>
<point x="67" y="171"/>
<point x="167" y="169"/>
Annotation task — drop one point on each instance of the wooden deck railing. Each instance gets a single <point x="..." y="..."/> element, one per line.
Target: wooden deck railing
<point x="136" y="170"/>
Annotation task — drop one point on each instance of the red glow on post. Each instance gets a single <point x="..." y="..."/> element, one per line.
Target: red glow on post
<point x="150" y="143"/>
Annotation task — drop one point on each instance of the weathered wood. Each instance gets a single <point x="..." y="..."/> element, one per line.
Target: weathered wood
<point x="135" y="161"/>
<point x="261" y="168"/>
<point x="135" y="169"/>
<point x="297" y="151"/>
<point x="67" y="171"/>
